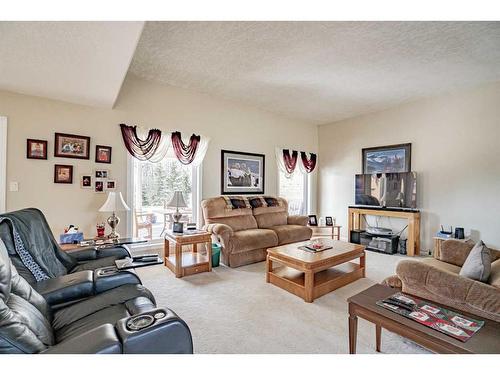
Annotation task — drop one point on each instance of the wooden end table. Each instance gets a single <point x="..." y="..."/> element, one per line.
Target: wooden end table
<point x="188" y="263"/>
<point x="328" y="231"/>
<point x="363" y="305"/>
<point x="310" y="275"/>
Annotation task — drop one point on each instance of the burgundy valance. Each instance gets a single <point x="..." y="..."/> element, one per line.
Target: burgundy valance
<point x="309" y="164"/>
<point x="290" y="161"/>
<point x="142" y="149"/>
<point x="185" y="153"/>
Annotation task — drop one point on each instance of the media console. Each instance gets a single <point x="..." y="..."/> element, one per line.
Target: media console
<point x="413" y="217"/>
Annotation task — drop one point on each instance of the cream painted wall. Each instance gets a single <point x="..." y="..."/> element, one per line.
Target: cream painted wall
<point x="455" y="151"/>
<point x="230" y="125"/>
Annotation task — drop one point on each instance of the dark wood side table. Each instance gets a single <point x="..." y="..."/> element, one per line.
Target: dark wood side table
<point x="188" y="263"/>
<point x="363" y="305"/>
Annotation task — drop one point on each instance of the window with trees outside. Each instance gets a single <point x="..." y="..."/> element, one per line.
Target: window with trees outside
<point x="153" y="186"/>
<point x="295" y="190"/>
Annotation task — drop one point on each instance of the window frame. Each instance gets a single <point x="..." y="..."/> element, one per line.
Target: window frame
<point x="196" y="179"/>
<point x="306" y="196"/>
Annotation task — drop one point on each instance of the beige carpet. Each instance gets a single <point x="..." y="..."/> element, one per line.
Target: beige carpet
<point x="236" y="311"/>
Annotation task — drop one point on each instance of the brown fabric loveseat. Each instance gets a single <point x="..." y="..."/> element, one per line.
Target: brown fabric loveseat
<point x="245" y="234"/>
<point x="439" y="280"/>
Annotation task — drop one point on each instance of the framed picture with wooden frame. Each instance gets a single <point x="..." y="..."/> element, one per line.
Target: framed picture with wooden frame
<point x="387" y="159"/>
<point x="36" y="149"/>
<point x="63" y="174"/>
<point x="71" y="146"/>
<point x="103" y="154"/>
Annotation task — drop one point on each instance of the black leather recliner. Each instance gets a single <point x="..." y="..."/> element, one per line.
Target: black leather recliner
<point x="122" y="320"/>
<point x="72" y="275"/>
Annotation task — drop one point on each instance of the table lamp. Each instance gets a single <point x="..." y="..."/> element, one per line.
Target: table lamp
<point x="113" y="204"/>
<point x="176" y="202"/>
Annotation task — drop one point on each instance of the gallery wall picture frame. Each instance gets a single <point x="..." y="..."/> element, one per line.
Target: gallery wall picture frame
<point x="110" y="185"/>
<point x="103" y="154"/>
<point x="102" y="174"/>
<point x="386" y="159"/>
<point x="86" y="181"/>
<point x="36" y="149"/>
<point x="71" y="146"/>
<point x="63" y="174"/>
<point x="242" y="172"/>
<point x="99" y="186"/>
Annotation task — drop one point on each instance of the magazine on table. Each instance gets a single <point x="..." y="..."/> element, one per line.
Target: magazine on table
<point x="443" y="320"/>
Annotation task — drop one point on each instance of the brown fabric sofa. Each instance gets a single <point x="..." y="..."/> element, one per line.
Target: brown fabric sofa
<point x="439" y="280"/>
<point x="245" y="234"/>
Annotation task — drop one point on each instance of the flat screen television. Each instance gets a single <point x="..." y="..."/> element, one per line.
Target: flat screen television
<point x="392" y="190"/>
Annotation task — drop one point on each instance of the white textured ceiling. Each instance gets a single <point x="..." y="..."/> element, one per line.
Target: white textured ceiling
<point x="320" y="71"/>
<point x="80" y="62"/>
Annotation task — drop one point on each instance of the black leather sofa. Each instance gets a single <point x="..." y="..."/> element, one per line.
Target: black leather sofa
<point x="124" y="319"/>
<point x="73" y="275"/>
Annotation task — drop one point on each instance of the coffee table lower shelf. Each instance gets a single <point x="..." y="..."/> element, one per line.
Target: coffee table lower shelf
<point x="294" y="281"/>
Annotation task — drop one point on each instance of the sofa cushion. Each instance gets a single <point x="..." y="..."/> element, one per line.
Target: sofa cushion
<point x="477" y="266"/>
<point x="236" y="223"/>
<point x="495" y="274"/>
<point x="443" y="266"/>
<point x="271" y="219"/>
<point x="292" y="233"/>
<point x="251" y="239"/>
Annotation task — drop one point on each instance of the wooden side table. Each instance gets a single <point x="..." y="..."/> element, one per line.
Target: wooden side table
<point x="329" y="231"/>
<point x="188" y="263"/>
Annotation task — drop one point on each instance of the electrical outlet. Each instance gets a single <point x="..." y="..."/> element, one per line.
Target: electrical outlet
<point x="14" y="186"/>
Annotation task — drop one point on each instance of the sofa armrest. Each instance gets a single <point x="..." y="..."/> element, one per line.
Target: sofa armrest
<point x="450" y="289"/>
<point x="95" y="252"/>
<point x="455" y="252"/>
<point x="298" y="220"/>
<point x="222" y="233"/>
<point x="167" y="334"/>
<point x="100" y="340"/>
<point x="66" y="288"/>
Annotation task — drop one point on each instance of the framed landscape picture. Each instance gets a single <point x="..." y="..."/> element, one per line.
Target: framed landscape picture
<point x="72" y="146"/>
<point x="387" y="159"/>
<point x="102" y="154"/>
<point x="242" y="173"/>
<point x="63" y="174"/>
<point x="36" y="149"/>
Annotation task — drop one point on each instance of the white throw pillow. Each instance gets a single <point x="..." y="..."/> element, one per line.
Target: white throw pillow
<point x="477" y="266"/>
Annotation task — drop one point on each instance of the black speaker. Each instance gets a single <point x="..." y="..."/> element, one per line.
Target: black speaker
<point x="355" y="236"/>
<point x="459" y="233"/>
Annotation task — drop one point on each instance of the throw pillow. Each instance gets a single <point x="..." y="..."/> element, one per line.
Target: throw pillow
<point x="477" y="266"/>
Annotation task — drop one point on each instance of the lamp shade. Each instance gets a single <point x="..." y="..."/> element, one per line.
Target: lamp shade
<point x="114" y="203"/>
<point x="177" y="200"/>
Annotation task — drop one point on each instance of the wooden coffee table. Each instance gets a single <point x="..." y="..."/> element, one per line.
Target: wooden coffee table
<point x="363" y="305"/>
<point x="311" y="275"/>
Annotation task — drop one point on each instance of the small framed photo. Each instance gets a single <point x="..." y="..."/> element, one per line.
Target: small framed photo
<point x="99" y="186"/>
<point x="102" y="154"/>
<point x="101" y="173"/>
<point x="86" y="181"/>
<point x="313" y="221"/>
<point x="72" y="146"/>
<point x="110" y="184"/>
<point x="329" y="221"/>
<point x="36" y="149"/>
<point x="63" y="174"/>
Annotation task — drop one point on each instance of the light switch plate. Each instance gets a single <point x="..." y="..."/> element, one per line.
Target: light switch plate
<point x="14" y="186"/>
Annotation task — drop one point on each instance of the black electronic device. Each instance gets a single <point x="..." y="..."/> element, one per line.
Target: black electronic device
<point x="459" y="233"/>
<point x="178" y="227"/>
<point x="393" y="190"/>
<point x="354" y="236"/>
